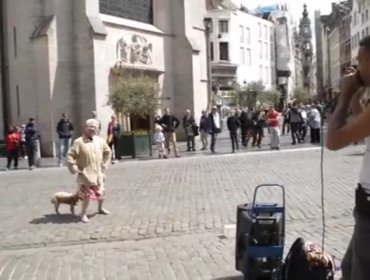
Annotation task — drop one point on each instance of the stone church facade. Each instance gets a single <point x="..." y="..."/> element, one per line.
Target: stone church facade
<point x="62" y="57"/>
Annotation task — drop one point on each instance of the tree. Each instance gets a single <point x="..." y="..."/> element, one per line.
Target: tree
<point x="135" y="96"/>
<point x="247" y="96"/>
<point x="301" y="95"/>
<point x="269" y="97"/>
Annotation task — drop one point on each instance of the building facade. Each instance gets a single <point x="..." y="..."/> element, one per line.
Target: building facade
<point x="64" y="56"/>
<point x="305" y="45"/>
<point x="336" y="46"/>
<point x="285" y="52"/>
<point x="242" y="48"/>
<point x="360" y="25"/>
<point x="320" y="53"/>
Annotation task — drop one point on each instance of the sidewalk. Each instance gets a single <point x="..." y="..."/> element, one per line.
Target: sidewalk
<point x="223" y="146"/>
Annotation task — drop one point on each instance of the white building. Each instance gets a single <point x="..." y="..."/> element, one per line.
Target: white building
<point x="63" y="56"/>
<point x="335" y="72"/>
<point x="285" y="51"/>
<point x="242" y="48"/>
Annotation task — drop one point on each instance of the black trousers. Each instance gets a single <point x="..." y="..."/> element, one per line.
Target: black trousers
<point x="243" y="134"/>
<point x="234" y="140"/>
<point x="213" y="140"/>
<point x="114" y="144"/>
<point x="12" y="156"/>
<point x="191" y="142"/>
<point x="303" y="131"/>
<point x="315" y="135"/>
<point x="295" y="132"/>
<point x="257" y="137"/>
<point x="31" y="153"/>
<point x="287" y="126"/>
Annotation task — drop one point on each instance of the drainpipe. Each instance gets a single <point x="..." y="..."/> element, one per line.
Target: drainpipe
<point x="4" y="67"/>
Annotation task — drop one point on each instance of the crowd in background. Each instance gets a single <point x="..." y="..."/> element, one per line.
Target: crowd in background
<point x="247" y="127"/>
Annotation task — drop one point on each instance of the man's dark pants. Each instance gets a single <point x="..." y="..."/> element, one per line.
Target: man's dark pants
<point x="31" y="152"/>
<point x="12" y="156"/>
<point x="294" y="127"/>
<point x="213" y="140"/>
<point x="356" y="261"/>
<point x="234" y="140"/>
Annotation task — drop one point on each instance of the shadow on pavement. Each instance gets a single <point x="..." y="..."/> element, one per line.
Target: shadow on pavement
<point x="56" y="219"/>
<point x="240" y="277"/>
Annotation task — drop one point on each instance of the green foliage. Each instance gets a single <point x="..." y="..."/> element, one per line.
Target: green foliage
<point x="301" y="95"/>
<point x="254" y="93"/>
<point x="136" y="96"/>
<point x="255" y="86"/>
<point x="269" y="97"/>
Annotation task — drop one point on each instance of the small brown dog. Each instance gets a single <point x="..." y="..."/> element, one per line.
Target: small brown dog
<point x="65" y="198"/>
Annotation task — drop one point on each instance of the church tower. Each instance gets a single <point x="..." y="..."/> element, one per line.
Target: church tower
<point x="305" y="36"/>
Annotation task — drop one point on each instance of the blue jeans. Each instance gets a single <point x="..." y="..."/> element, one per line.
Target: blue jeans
<point x="64" y="145"/>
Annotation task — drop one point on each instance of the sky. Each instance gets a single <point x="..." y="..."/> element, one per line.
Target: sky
<point x="296" y="6"/>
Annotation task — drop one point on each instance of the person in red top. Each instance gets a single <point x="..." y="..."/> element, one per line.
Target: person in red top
<point x="274" y="125"/>
<point x="13" y="140"/>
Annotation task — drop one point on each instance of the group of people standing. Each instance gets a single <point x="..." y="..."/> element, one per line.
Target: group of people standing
<point x="166" y="126"/>
<point x="298" y="119"/>
<point x="22" y="142"/>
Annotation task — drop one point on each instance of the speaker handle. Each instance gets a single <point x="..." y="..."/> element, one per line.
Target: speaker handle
<point x="283" y="197"/>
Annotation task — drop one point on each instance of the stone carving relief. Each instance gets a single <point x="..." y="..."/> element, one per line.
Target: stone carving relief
<point x="134" y="49"/>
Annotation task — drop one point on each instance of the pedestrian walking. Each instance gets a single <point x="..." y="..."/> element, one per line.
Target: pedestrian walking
<point x="13" y="140"/>
<point x="259" y="122"/>
<point x="204" y="128"/>
<point x="214" y="127"/>
<point x="160" y="140"/>
<point x="273" y="123"/>
<point x="65" y="131"/>
<point x="114" y="133"/>
<point x="233" y="124"/>
<point x="32" y="135"/>
<point x="295" y="120"/>
<point x="89" y="157"/>
<point x="170" y="123"/>
<point x="315" y="125"/>
<point x="188" y="124"/>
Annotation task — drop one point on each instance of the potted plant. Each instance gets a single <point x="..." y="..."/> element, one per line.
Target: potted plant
<point x="136" y="98"/>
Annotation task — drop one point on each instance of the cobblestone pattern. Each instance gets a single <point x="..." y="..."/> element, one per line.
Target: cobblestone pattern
<point x="172" y="212"/>
<point x="173" y="197"/>
<point x="200" y="256"/>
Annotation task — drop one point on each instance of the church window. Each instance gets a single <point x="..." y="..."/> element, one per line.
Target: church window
<point x="138" y="10"/>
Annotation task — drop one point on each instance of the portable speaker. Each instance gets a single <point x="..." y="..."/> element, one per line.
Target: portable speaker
<point x="260" y="226"/>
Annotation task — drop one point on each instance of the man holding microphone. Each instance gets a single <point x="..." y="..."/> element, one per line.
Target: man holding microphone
<point x="341" y="133"/>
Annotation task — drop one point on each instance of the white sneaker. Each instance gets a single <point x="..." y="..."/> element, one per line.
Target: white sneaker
<point x="84" y="219"/>
<point x="103" y="211"/>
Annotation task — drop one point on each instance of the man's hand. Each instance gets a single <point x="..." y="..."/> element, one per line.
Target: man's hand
<point x="350" y="82"/>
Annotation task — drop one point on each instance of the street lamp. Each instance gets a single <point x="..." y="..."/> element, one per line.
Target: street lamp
<point x="208" y="30"/>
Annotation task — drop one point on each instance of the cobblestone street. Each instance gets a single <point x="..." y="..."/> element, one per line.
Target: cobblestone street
<point x="168" y="215"/>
